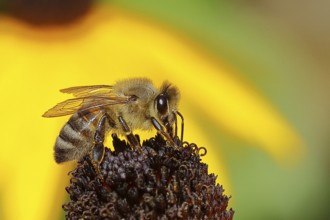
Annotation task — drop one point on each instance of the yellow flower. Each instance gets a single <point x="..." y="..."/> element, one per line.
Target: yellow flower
<point x="104" y="47"/>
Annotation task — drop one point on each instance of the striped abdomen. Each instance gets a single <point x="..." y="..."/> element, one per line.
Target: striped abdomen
<point x="76" y="137"/>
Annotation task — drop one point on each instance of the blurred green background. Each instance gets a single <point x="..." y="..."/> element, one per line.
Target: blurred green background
<point x="279" y="48"/>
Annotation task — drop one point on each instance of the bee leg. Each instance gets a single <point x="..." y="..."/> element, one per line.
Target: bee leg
<point x="97" y="152"/>
<point x="129" y="135"/>
<point x="182" y="124"/>
<point x="162" y="132"/>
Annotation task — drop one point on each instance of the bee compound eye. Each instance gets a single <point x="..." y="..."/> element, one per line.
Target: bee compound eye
<point x="162" y="104"/>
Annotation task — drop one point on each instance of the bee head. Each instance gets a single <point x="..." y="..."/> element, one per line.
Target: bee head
<point x="166" y="103"/>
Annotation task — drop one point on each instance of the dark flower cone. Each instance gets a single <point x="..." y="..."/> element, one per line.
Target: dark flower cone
<point x="47" y="12"/>
<point x="159" y="183"/>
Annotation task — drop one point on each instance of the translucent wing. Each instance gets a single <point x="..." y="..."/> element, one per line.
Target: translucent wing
<point x="90" y="103"/>
<point x="83" y="91"/>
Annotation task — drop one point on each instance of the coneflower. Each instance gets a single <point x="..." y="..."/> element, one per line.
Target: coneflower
<point x="157" y="183"/>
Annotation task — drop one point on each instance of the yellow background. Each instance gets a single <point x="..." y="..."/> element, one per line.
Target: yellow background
<point x="252" y="95"/>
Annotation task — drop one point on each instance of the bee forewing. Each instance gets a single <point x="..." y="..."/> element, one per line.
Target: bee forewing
<point x="82" y="91"/>
<point x="71" y="106"/>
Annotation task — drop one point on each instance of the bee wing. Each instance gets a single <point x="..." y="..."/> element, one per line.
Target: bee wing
<point x="71" y="106"/>
<point x="83" y="91"/>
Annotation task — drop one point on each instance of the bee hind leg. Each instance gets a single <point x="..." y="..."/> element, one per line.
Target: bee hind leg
<point x="134" y="142"/>
<point x="97" y="153"/>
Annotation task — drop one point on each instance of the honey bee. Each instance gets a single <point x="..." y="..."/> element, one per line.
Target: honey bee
<point x="120" y="108"/>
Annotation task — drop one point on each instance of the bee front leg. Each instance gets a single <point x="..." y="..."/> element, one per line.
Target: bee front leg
<point x="162" y="132"/>
<point x="129" y="135"/>
<point x="97" y="153"/>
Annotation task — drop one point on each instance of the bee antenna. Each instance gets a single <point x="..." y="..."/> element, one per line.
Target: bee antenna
<point x="182" y="124"/>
